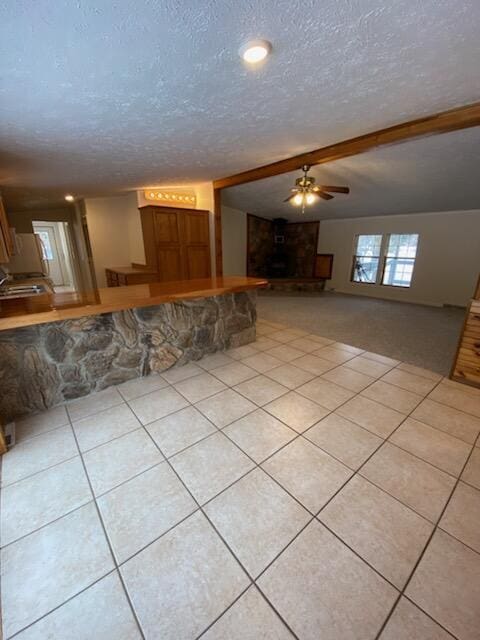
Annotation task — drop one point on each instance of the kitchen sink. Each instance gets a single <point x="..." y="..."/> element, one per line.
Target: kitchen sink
<point x="21" y="290"/>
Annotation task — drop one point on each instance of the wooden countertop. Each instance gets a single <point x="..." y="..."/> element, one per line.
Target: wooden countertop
<point x="42" y="308"/>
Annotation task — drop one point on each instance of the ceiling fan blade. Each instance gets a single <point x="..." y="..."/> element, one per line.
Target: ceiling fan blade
<point x="290" y="198"/>
<point x="335" y="189"/>
<point x="325" y="196"/>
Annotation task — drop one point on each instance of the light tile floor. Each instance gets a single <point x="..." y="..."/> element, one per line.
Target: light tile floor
<point x="290" y="488"/>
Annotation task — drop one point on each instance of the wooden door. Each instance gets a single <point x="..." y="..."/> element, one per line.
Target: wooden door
<point x="196" y="244"/>
<point x="168" y="246"/>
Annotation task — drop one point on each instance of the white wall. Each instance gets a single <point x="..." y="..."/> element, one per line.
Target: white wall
<point x="234" y="241"/>
<point x="115" y="233"/>
<point x="447" y="263"/>
<point x="205" y="200"/>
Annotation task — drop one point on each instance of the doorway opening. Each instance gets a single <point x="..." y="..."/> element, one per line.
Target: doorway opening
<point x="58" y="253"/>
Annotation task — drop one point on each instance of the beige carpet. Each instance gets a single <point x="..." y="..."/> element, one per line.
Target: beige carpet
<point x="421" y="335"/>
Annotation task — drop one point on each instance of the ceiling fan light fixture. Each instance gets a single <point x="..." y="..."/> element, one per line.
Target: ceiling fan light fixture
<point x="306" y="192"/>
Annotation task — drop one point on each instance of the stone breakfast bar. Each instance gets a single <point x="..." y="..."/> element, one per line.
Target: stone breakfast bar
<point x="57" y="347"/>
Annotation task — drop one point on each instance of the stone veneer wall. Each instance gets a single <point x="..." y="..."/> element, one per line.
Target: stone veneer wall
<point x="259" y="245"/>
<point x="301" y="240"/>
<point x="46" y="364"/>
<point x="300" y="247"/>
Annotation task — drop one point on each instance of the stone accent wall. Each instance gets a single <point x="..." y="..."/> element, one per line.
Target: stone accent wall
<point x="46" y="364"/>
<point x="301" y="246"/>
<point x="299" y="249"/>
<point x="259" y="246"/>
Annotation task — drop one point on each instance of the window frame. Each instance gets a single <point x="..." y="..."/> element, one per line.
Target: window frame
<point x="356" y="255"/>
<point x="382" y="259"/>
<point x="386" y="257"/>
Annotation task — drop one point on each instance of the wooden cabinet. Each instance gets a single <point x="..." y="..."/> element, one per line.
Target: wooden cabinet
<point x="466" y="367"/>
<point x="323" y="266"/>
<point x="122" y="276"/>
<point x="177" y="242"/>
<point x="6" y="242"/>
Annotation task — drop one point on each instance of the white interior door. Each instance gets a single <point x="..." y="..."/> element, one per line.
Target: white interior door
<point x="51" y="251"/>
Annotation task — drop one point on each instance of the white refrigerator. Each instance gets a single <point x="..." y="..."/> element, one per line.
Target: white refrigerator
<point x="28" y="257"/>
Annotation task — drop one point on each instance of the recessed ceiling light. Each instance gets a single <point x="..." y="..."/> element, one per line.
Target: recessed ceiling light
<point x="69" y="198"/>
<point x="255" y="51"/>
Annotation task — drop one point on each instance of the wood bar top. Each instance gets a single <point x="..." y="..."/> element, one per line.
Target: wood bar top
<point x="42" y="308"/>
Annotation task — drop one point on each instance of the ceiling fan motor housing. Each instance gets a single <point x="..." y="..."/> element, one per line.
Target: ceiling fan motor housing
<point x="305" y="182"/>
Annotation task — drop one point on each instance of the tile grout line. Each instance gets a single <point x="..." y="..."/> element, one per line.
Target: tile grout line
<point x="114" y="570"/>
<point x="90" y="415"/>
<point x="200" y="508"/>
<point x="43" y="526"/>
<point x="42" y="433"/>
<point x="115" y="563"/>
<point x="36" y="473"/>
<point x="59" y="606"/>
<point x="428" y="540"/>
<point x="427" y="545"/>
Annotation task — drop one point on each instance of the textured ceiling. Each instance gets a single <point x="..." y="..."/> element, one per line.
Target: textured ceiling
<point x="98" y="96"/>
<point x="438" y="173"/>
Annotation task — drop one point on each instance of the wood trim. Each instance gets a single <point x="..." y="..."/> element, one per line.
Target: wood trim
<point x="217" y="211"/>
<point x="452" y="120"/>
<point x="140" y="267"/>
<point x="165" y="206"/>
<point x="316" y="251"/>
<point x="476" y="295"/>
<point x="247" y="252"/>
<point x="3" y="441"/>
<point x="253" y="215"/>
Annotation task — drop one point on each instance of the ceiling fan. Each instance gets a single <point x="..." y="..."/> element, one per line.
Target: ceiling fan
<point x="306" y="192"/>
